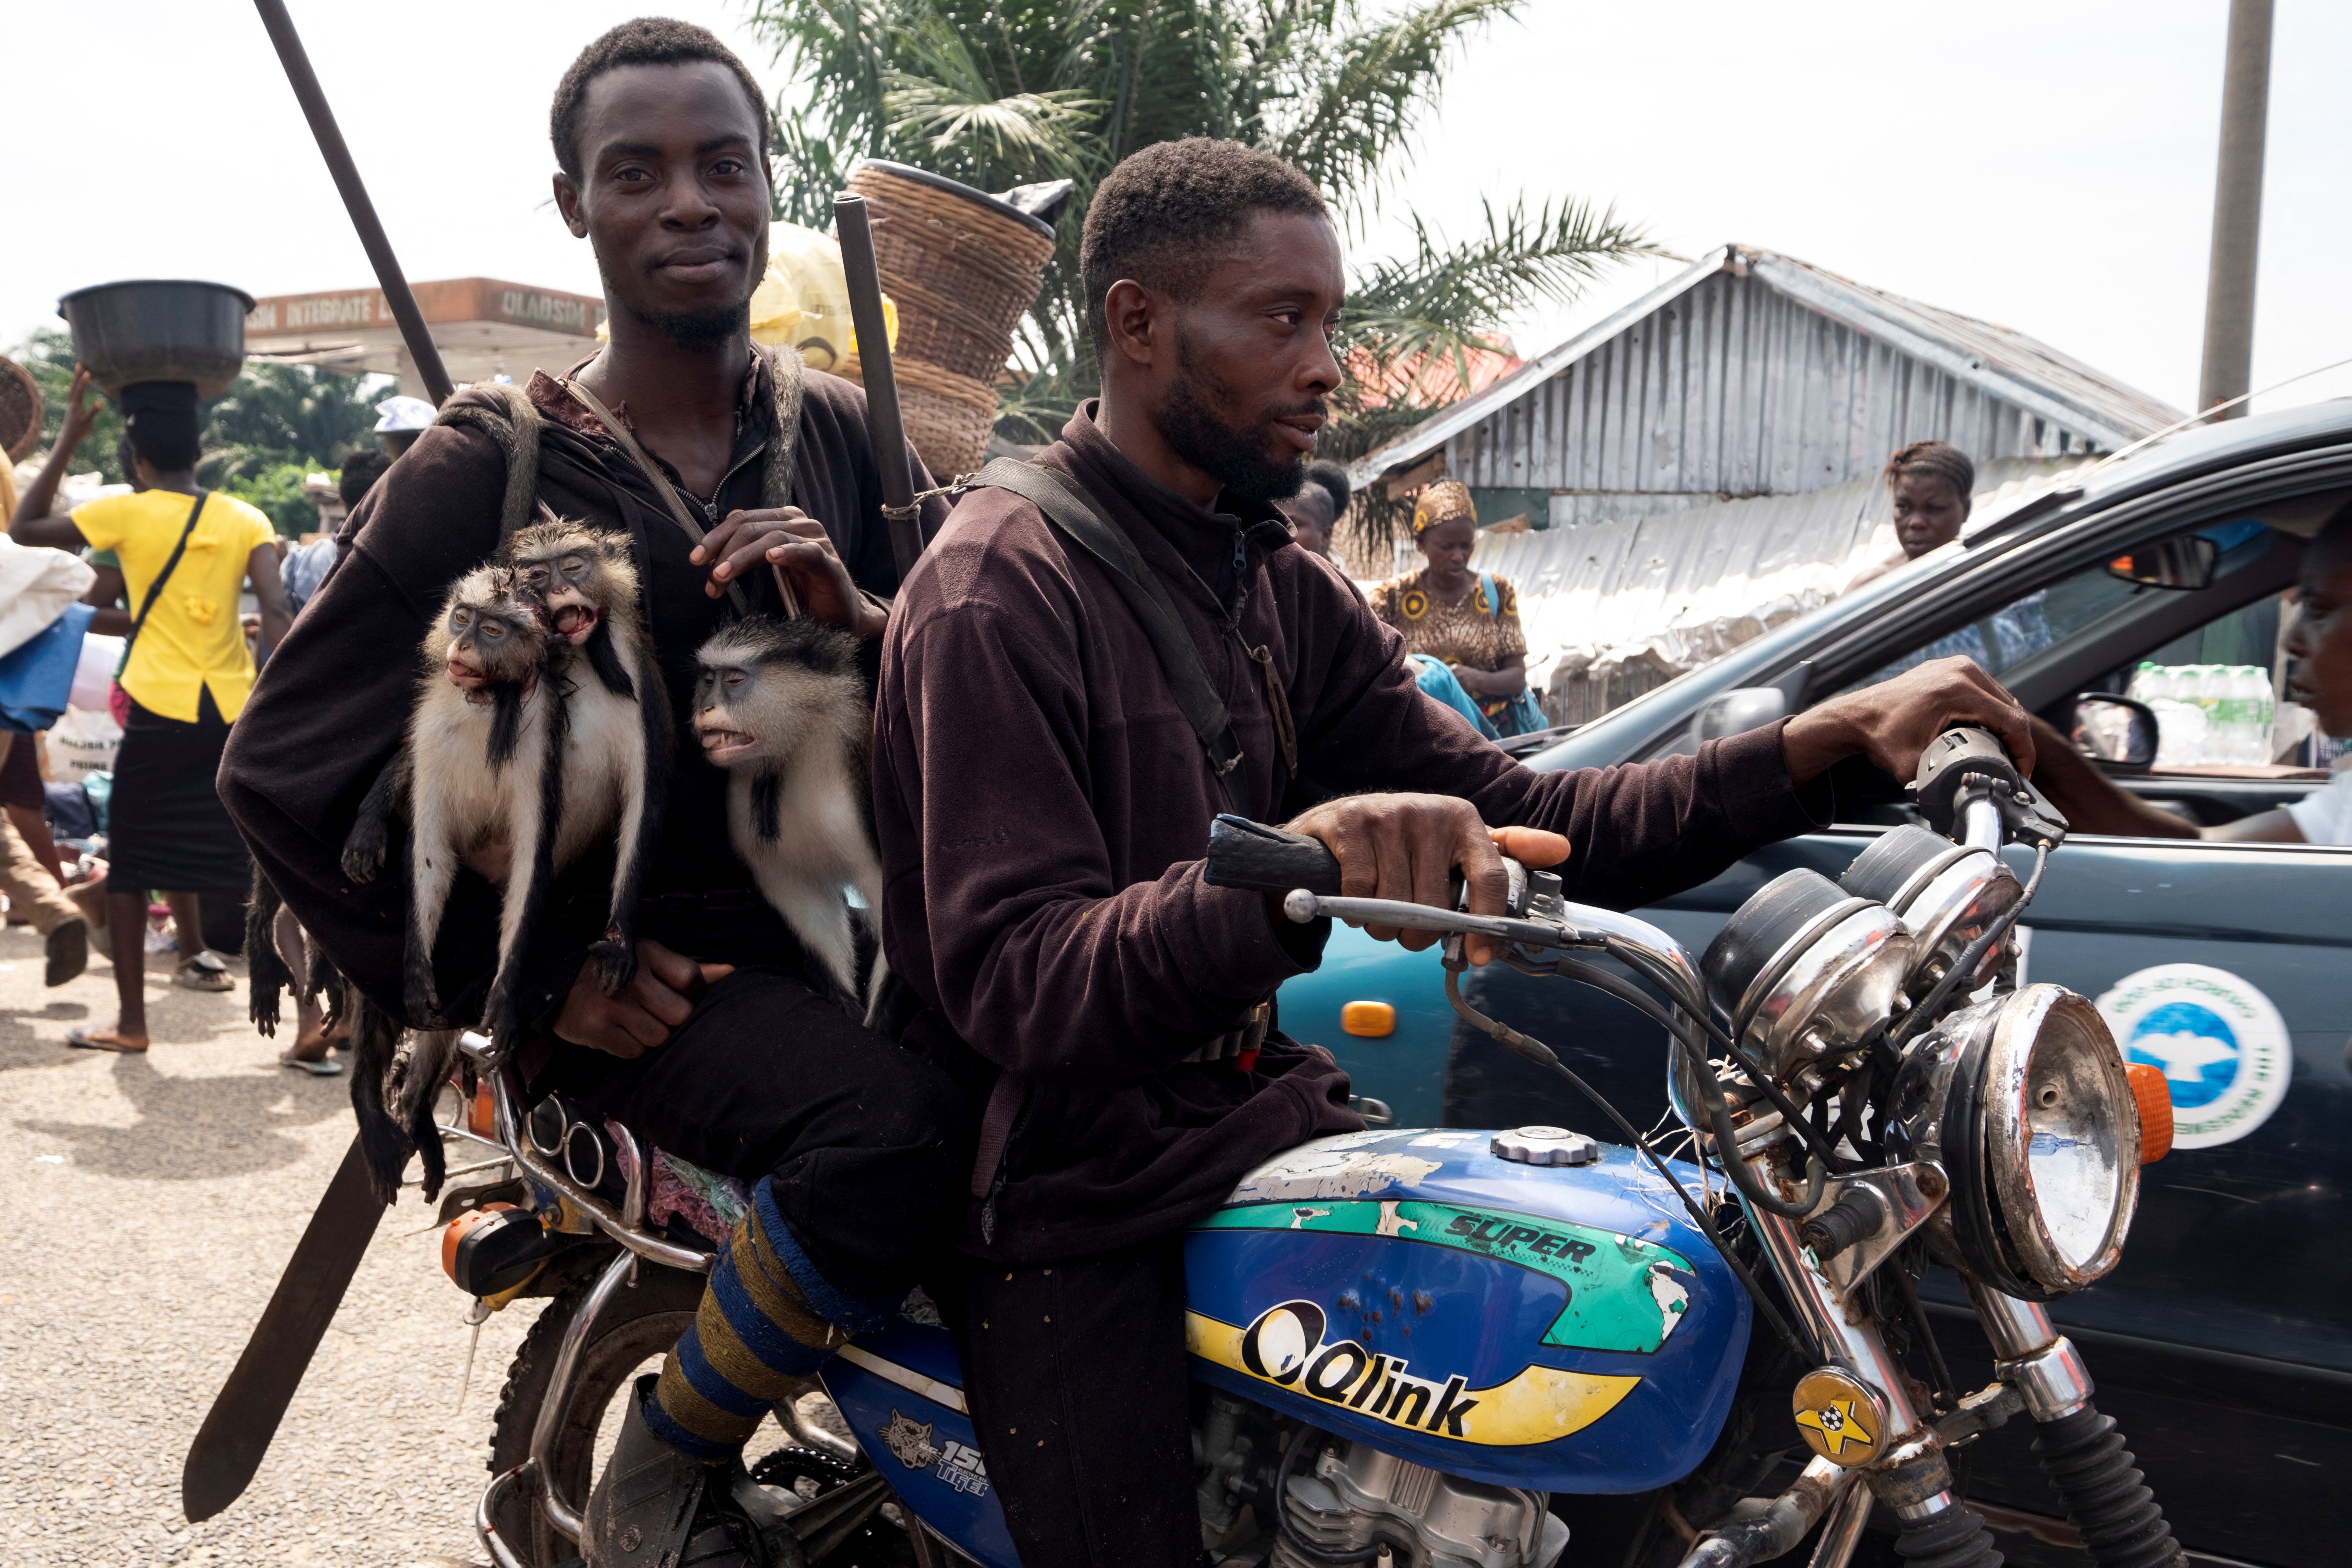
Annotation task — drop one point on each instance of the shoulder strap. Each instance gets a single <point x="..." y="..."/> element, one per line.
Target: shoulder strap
<point x="779" y="472"/>
<point x="1493" y="595"/>
<point x="679" y="511"/>
<point x="156" y="589"/>
<point x="1068" y="510"/>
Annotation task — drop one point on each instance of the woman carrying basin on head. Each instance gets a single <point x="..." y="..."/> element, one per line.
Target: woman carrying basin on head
<point x="187" y="555"/>
<point x="1461" y="627"/>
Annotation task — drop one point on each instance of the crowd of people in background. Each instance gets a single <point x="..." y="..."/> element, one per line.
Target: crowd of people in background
<point x="171" y="561"/>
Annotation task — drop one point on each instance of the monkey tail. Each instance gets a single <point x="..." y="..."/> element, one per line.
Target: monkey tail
<point x="618" y="953"/>
<point x="374" y="1035"/>
<point x="502" y="1013"/>
<point x="267" y="975"/>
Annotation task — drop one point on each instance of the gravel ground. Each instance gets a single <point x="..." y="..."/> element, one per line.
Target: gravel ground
<point x="150" y="1203"/>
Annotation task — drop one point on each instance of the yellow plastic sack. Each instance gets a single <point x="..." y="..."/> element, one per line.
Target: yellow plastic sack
<point x="805" y="298"/>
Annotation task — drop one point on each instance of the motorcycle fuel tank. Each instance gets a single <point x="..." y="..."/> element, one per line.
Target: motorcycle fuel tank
<point x="1561" y="1327"/>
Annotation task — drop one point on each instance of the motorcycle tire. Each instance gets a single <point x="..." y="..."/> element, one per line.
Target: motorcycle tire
<point x="640" y="1323"/>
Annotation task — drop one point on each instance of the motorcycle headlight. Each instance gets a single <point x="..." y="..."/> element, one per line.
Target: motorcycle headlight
<point x="1805" y="969"/>
<point x="2024" y="1100"/>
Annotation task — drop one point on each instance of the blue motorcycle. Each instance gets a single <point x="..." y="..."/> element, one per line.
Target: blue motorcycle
<point x="1442" y="1349"/>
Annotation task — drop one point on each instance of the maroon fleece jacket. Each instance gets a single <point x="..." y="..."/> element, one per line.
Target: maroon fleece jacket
<point x="1043" y="808"/>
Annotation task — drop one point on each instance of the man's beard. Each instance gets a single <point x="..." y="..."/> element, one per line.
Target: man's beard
<point x="1236" y="458"/>
<point x="699" y="329"/>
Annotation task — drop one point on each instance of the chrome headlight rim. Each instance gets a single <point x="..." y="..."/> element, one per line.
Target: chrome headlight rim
<point x="1988" y="1127"/>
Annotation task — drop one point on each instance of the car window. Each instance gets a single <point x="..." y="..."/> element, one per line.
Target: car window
<point x="2050" y="616"/>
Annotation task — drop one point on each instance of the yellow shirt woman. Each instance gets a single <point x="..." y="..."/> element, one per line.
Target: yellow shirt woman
<point x="193" y="640"/>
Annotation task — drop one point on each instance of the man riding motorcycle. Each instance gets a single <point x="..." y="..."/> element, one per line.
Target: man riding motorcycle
<point x="1097" y="656"/>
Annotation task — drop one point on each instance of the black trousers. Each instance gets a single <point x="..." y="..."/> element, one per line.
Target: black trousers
<point x="865" y="1141"/>
<point x="1078" y="1382"/>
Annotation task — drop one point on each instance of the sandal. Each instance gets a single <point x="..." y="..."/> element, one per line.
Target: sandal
<point x="205" y="971"/>
<point x="88" y="1037"/>
<point x="316" y="1066"/>
<point x="68" y="951"/>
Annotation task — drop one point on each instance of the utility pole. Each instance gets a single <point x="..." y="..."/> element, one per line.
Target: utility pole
<point x="2237" y="209"/>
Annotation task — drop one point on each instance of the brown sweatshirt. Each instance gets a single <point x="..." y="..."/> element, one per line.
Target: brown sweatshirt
<point x="1042" y="807"/>
<point x="331" y="705"/>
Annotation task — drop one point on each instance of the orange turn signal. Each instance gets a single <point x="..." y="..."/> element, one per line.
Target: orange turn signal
<point x="456" y="1232"/>
<point x="2155" y="1110"/>
<point x="1372" y="1020"/>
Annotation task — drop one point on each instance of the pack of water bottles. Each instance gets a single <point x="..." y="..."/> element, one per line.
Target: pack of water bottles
<point x="2209" y="713"/>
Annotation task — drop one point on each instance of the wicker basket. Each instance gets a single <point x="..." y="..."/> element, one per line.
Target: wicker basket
<point x="21" y="411"/>
<point x="962" y="267"/>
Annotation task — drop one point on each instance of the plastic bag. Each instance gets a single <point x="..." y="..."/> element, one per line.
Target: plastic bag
<point x="101" y="655"/>
<point x="83" y="742"/>
<point x="36" y="676"/>
<point x="35" y="586"/>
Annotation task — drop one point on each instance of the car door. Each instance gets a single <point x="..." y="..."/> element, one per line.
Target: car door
<point x="2222" y="1344"/>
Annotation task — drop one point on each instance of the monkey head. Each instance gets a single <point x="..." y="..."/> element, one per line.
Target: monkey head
<point x="581" y="574"/>
<point x="766" y="687"/>
<point x="494" y="633"/>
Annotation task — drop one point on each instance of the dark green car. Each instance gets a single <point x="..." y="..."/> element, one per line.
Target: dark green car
<point x="2223" y="1343"/>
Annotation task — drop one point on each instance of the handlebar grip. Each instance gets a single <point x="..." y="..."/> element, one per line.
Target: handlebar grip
<point x="1245" y="854"/>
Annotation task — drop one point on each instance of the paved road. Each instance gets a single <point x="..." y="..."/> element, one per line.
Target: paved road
<point x="148" y="1205"/>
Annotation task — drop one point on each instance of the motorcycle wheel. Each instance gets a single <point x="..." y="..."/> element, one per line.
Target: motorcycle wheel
<point x="640" y="1323"/>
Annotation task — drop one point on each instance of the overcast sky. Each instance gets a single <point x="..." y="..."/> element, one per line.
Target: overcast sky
<point x="2045" y="165"/>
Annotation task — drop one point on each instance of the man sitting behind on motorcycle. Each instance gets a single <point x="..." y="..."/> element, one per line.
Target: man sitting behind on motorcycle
<point x="1043" y="804"/>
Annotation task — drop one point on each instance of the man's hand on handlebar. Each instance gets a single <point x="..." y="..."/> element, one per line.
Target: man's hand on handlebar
<point x="1892" y="723"/>
<point x="640" y="1017"/>
<point x="1408" y="846"/>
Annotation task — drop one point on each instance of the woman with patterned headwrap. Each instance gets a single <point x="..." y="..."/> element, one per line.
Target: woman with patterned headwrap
<point x="1462" y="627"/>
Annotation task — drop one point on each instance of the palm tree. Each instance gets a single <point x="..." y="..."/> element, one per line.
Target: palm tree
<point x="998" y="93"/>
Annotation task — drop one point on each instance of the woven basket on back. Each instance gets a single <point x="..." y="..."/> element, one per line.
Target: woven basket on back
<point x="20" y="411"/>
<point x="963" y="267"/>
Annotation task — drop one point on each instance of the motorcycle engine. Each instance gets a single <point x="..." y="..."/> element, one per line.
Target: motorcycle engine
<point x="1355" y="1496"/>
<point x="1348" y="1501"/>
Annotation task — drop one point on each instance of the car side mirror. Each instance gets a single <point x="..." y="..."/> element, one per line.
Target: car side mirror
<point x="1738" y="710"/>
<point x="2115" y="731"/>
<point x="2184" y="565"/>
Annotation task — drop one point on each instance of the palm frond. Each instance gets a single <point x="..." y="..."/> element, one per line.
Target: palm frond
<point x="1362" y="94"/>
<point x="1045" y="131"/>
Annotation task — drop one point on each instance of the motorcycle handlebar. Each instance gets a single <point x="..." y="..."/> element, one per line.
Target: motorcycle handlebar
<point x="1245" y="854"/>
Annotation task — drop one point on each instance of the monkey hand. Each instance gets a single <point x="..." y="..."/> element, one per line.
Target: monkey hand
<point x="617" y="958"/>
<point x="640" y="1016"/>
<point x="798" y="547"/>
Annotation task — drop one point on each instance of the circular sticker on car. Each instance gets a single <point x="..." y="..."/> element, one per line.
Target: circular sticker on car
<point x="2221" y="1046"/>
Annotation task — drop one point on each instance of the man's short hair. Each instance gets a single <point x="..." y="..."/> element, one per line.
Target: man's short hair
<point x="1162" y="214"/>
<point x="648" y="41"/>
<point x="1333" y="479"/>
<point x="1936" y="459"/>
<point x="359" y="471"/>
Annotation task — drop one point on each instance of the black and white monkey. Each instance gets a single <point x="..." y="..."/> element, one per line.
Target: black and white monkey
<point x="781" y="706"/>
<point x="541" y="728"/>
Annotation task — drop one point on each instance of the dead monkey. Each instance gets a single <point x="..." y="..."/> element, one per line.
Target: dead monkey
<point x="471" y="770"/>
<point x="615" y="744"/>
<point x="783" y="707"/>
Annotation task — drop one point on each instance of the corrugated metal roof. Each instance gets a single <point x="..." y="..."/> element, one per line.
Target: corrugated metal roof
<point x="1754" y="374"/>
<point x="1673" y="592"/>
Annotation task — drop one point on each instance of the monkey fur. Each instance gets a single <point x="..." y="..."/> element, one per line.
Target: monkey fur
<point x="781" y="706"/>
<point x="552" y="740"/>
<point x="617" y="741"/>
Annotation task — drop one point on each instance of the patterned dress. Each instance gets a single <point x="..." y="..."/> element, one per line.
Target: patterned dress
<point x="1475" y="632"/>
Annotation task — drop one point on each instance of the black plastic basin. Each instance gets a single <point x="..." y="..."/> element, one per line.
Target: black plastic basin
<point x="155" y="330"/>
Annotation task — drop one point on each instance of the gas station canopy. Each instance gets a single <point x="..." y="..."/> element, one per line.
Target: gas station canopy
<point x="483" y="327"/>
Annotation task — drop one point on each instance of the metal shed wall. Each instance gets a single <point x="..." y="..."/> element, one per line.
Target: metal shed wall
<point x="1733" y="389"/>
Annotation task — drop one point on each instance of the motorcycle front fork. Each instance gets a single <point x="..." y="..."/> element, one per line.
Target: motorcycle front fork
<point x="2079" y="1449"/>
